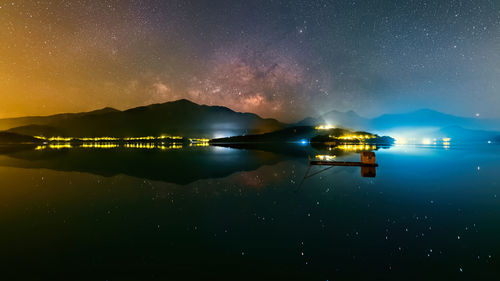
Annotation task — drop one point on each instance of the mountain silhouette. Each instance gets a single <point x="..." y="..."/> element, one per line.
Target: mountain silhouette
<point x="348" y="119"/>
<point x="432" y="118"/>
<point x="13" y="138"/>
<point x="188" y="119"/>
<point x="418" y="118"/>
<point x="181" y="117"/>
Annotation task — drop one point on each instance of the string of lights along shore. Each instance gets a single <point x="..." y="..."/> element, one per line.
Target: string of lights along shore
<point x="279" y="59"/>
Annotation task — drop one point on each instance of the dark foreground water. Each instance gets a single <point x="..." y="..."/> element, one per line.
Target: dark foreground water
<point x="221" y="213"/>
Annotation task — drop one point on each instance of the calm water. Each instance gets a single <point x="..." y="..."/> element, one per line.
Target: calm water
<point x="212" y="212"/>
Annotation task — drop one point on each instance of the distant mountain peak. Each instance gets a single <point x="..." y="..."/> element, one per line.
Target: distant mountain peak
<point x="335" y="111"/>
<point x="186" y="101"/>
<point x="352" y="113"/>
<point x="426" y="110"/>
<point x="103" y="110"/>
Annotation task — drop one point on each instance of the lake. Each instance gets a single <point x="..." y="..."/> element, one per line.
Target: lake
<point x="115" y="213"/>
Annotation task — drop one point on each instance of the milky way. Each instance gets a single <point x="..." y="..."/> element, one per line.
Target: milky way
<point x="281" y="59"/>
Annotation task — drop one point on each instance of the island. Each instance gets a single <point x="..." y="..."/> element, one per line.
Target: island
<point x="318" y="135"/>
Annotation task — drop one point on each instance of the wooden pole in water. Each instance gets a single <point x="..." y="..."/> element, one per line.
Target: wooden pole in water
<point x="368" y="157"/>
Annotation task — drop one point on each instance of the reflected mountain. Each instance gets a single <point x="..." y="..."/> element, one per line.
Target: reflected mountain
<point x="290" y="150"/>
<point x="7" y="149"/>
<point x="179" y="166"/>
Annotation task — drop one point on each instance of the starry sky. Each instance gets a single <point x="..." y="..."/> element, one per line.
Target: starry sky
<point x="280" y="59"/>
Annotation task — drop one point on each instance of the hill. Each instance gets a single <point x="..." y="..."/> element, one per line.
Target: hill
<point x="181" y="117"/>
<point x="432" y="118"/>
<point x="423" y="118"/>
<point x="305" y="134"/>
<point x="188" y="119"/>
<point x="349" y="119"/>
<point x="13" y="138"/>
<point x="290" y="134"/>
<point x="457" y="133"/>
<point x="37" y="130"/>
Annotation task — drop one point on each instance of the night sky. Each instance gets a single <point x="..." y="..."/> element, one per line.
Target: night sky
<point x="281" y="59"/>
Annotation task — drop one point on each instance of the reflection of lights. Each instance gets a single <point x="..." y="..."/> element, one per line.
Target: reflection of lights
<point x="426" y="141"/>
<point x="446" y="139"/>
<point x="446" y="144"/>
<point x="489" y="141"/>
<point x="304" y="141"/>
<point x="60" y="146"/>
<point x="355" y="147"/>
<point x="140" y="145"/>
<point x="152" y="146"/>
<point x="99" y="145"/>
<point x="172" y="146"/>
<point x="199" y="144"/>
<point x="325" y="157"/>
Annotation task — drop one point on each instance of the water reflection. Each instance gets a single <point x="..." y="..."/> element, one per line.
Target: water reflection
<point x="179" y="166"/>
<point x="429" y="212"/>
<point x="170" y="162"/>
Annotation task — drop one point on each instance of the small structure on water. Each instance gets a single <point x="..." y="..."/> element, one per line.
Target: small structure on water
<point x="368" y="164"/>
